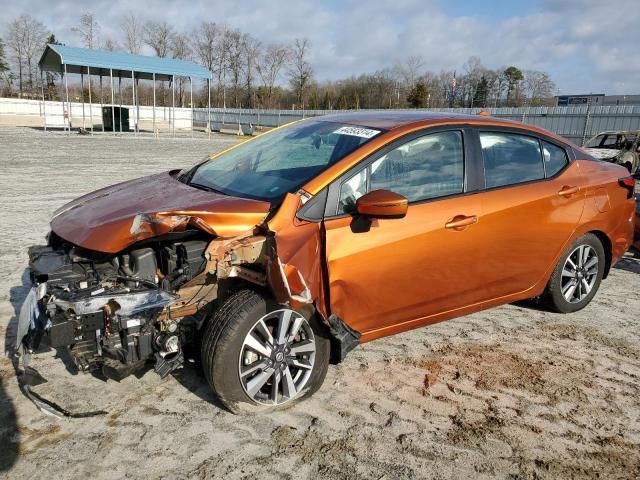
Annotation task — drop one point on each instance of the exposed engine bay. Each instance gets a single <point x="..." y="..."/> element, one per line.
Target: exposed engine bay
<point x="117" y="310"/>
<point x="104" y="308"/>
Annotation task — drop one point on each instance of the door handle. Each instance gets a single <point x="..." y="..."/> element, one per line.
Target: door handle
<point x="460" y="222"/>
<point x="567" y="191"/>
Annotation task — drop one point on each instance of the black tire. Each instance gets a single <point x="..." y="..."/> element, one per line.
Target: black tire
<point x="630" y="161"/>
<point x="222" y="345"/>
<point x="553" y="297"/>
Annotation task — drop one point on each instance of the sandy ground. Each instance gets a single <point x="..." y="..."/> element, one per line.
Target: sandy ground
<point x="513" y="392"/>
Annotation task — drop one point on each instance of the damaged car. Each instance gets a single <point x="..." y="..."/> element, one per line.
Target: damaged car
<point x="277" y="257"/>
<point x="621" y="147"/>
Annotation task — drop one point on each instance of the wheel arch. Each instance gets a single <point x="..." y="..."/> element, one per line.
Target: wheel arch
<point x="608" y="249"/>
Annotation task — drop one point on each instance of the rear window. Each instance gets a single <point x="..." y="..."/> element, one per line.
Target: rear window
<point x="555" y="158"/>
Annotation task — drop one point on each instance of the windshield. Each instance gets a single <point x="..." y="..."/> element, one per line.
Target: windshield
<point x="281" y="161"/>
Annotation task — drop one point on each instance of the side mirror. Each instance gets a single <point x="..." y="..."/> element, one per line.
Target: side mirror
<point x="382" y="204"/>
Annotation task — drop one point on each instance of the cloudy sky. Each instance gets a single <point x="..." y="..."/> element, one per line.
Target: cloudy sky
<point x="586" y="45"/>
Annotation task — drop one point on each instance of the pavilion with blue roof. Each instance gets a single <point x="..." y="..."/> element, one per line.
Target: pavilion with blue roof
<point x="89" y="62"/>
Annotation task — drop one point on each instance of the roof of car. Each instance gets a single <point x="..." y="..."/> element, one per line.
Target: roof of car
<point x="390" y="119"/>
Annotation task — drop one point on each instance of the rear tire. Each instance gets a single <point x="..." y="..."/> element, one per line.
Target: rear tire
<point x="295" y="361"/>
<point x="631" y="162"/>
<point x="577" y="277"/>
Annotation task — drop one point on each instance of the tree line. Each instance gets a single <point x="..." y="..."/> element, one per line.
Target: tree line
<point x="247" y="73"/>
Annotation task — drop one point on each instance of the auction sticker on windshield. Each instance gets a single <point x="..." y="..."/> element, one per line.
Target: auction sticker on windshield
<point x="357" y="132"/>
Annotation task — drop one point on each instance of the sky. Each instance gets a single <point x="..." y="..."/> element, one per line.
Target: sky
<point x="586" y="45"/>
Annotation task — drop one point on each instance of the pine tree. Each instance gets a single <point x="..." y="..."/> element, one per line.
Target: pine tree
<point x="4" y="66"/>
<point x="514" y="76"/>
<point x="418" y="96"/>
<point x="51" y="40"/>
<point x="326" y="101"/>
<point x="314" y="102"/>
<point x="482" y="93"/>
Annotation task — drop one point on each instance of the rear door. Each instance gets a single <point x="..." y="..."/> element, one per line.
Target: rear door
<point x="533" y="201"/>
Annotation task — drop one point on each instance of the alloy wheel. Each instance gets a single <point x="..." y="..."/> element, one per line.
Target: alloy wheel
<point x="277" y="357"/>
<point x="579" y="274"/>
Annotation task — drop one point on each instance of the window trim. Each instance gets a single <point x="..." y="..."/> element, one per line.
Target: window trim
<point x="570" y="153"/>
<point x="471" y="173"/>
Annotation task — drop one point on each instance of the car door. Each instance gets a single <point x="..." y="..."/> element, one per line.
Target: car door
<point x="531" y="206"/>
<point x="385" y="272"/>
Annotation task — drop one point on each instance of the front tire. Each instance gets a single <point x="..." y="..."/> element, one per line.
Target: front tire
<point x="577" y="276"/>
<point x="258" y="355"/>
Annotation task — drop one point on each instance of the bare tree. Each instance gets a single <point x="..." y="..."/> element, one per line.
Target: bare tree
<point x="475" y="72"/>
<point x="205" y="39"/>
<point x="17" y="47"/>
<point x="27" y="37"/>
<point x="221" y="63"/>
<point x="538" y="87"/>
<point x="111" y="46"/>
<point x="300" y="71"/>
<point x="158" y="35"/>
<point x="251" y="48"/>
<point x="88" y="29"/>
<point x="180" y="49"/>
<point x="252" y="74"/>
<point x="269" y="65"/>
<point x="235" y="62"/>
<point x="410" y="69"/>
<point x="133" y="33"/>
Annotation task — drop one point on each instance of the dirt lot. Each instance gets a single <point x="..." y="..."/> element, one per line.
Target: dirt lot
<point x="510" y="393"/>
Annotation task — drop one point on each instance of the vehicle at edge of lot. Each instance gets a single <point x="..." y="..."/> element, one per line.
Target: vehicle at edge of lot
<point x="280" y="255"/>
<point x="621" y="147"/>
<point x="636" y="236"/>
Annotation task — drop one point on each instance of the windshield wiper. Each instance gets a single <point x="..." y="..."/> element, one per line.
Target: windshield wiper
<point x="206" y="188"/>
<point x="186" y="175"/>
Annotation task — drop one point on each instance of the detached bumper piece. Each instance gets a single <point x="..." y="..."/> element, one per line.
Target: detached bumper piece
<point x="343" y="338"/>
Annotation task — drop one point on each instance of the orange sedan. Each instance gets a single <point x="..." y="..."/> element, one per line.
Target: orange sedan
<point x="285" y="252"/>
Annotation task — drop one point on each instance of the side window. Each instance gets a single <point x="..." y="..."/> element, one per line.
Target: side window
<point x="510" y="159"/>
<point x="427" y="167"/>
<point x="555" y="158"/>
<point x="352" y="190"/>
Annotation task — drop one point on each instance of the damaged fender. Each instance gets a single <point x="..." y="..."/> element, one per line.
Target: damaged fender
<point x="286" y="255"/>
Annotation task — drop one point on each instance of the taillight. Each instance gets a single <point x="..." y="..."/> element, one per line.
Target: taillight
<point x="630" y="184"/>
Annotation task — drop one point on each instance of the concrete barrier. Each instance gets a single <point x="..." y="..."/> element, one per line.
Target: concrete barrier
<point x="36" y="113"/>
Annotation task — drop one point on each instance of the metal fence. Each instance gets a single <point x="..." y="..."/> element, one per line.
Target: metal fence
<point x="577" y="123"/>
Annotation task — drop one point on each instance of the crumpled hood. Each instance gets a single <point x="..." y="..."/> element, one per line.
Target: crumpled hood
<point x="603" y="153"/>
<point x="111" y="219"/>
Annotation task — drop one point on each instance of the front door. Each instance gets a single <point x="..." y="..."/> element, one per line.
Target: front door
<point x="386" y="272"/>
